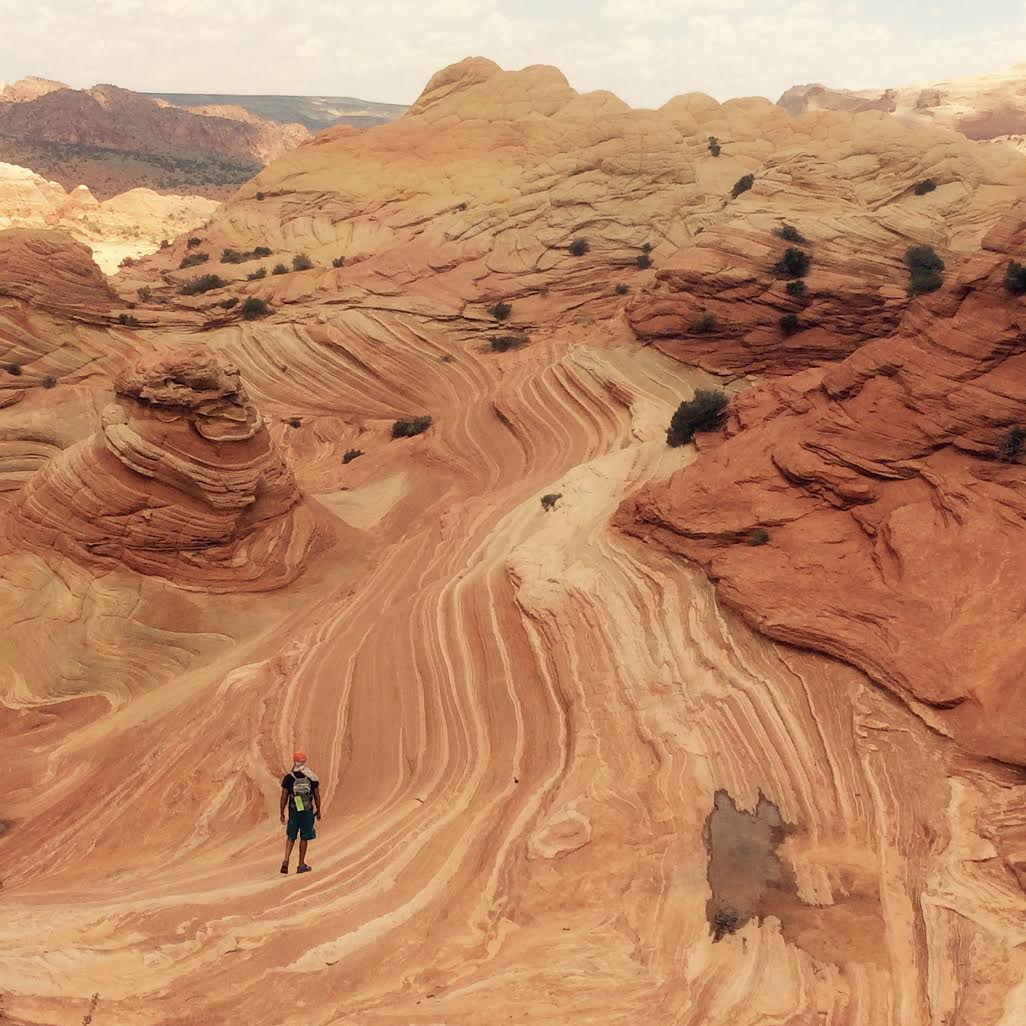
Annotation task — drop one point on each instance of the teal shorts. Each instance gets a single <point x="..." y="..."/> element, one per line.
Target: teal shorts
<point x="301" y="824"/>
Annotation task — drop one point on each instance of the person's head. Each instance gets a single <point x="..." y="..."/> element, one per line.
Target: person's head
<point x="299" y="758"/>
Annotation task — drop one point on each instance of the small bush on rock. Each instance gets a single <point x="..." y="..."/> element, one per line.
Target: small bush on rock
<point x="193" y="242"/>
<point x="338" y="262"/>
<point x="1011" y="445"/>
<point x="743" y="184"/>
<point x="204" y="283"/>
<point x="925" y="186"/>
<point x="295" y="422"/>
<point x="705" y="324"/>
<point x="253" y="308"/>
<point x="503" y="343"/>
<point x="260" y="272"/>
<point x="794" y="263"/>
<point x="758" y="537"/>
<point x="49" y="381"/>
<point x="714" y="146"/>
<point x="1015" y="278"/>
<point x="230" y="302"/>
<point x="193" y="259"/>
<point x="301" y="262"/>
<point x="13" y="369"/>
<point x="351" y="454"/>
<point x="790" y="234"/>
<point x="579" y="247"/>
<point x="925" y="268"/>
<point x="409" y="428"/>
<point x="145" y="294"/>
<point x="280" y="269"/>
<point x="501" y="311"/>
<point x="797" y="288"/>
<point x="622" y="290"/>
<point x="128" y="320"/>
<point x="549" y="501"/>
<point x="644" y="261"/>
<point x="705" y="412"/>
<point x="789" y="323"/>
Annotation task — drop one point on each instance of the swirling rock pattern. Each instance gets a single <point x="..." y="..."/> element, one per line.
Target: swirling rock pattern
<point x="523" y="719"/>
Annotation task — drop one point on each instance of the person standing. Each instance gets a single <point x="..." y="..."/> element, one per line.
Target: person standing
<point x="301" y="797"/>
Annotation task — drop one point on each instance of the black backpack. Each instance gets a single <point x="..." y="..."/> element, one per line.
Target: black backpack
<point x="302" y="792"/>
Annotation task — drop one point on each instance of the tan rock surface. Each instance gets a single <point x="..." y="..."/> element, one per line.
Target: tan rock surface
<point x="523" y="720"/>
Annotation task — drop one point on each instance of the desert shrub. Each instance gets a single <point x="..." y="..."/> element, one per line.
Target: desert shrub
<point x="758" y="537"/>
<point x="461" y="207"/>
<point x="925" y="267"/>
<point x="13" y="369"/>
<point x="797" y="288"/>
<point x="48" y="381"/>
<point x="128" y="320"/>
<point x="743" y="184"/>
<point x="145" y="294"/>
<point x="165" y="243"/>
<point x="925" y="186"/>
<point x="705" y="412"/>
<point x="579" y="247"/>
<point x="794" y="263"/>
<point x="725" y="921"/>
<point x="789" y="323"/>
<point x="704" y="324"/>
<point x="501" y="311"/>
<point x="549" y="501"/>
<point x="790" y="234"/>
<point x="409" y="428"/>
<point x="622" y="290"/>
<point x="295" y="422"/>
<point x="128" y="262"/>
<point x="714" y="145"/>
<point x="194" y="259"/>
<point x="235" y="256"/>
<point x="253" y="308"/>
<point x="230" y="302"/>
<point x="301" y="262"/>
<point x="261" y="195"/>
<point x="260" y="272"/>
<point x="261" y="251"/>
<point x="503" y="343"/>
<point x="647" y="247"/>
<point x="644" y="261"/>
<point x="338" y="262"/>
<point x="351" y="454"/>
<point x="193" y="242"/>
<point x="1011" y="445"/>
<point x="204" y="283"/>
<point x="280" y="269"/>
<point x="1015" y="278"/>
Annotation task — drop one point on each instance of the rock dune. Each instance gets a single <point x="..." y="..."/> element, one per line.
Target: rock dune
<point x="588" y="760"/>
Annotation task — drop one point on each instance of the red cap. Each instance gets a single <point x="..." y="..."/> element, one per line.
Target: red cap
<point x="299" y="756"/>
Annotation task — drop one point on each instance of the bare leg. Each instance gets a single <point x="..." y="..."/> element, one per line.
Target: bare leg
<point x="302" y="853"/>
<point x="288" y="850"/>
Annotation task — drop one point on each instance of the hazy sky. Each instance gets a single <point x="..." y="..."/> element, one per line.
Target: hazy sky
<point x="644" y="50"/>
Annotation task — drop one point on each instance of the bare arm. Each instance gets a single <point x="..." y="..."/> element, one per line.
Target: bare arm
<point x="317" y="801"/>
<point x="284" y="802"/>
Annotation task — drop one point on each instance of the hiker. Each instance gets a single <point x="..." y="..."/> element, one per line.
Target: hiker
<point x="301" y="792"/>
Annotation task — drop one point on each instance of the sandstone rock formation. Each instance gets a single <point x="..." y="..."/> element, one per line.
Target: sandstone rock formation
<point x="131" y="224"/>
<point x="564" y="782"/>
<point x="113" y="140"/>
<point x="984" y="107"/>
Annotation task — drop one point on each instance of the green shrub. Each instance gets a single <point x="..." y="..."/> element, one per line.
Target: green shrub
<point x="409" y="428"/>
<point x="193" y="242"/>
<point x="644" y="261"/>
<point x="234" y="256"/>
<point x="797" y="288"/>
<point x="1011" y="445"/>
<point x="925" y="267"/>
<point x="49" y="381"/>
<point x="622" y="290"/>
<point x="501" y="311"/>
<point x="743" y="184"/>
<point x="758" y="537"/>
<point x="579" y="247"/>
<point x="230" y="303"/>
<point x="165" y="243"/>
<point x="351" y="454"/>
<point x="714" y="145"/>
<point x="128" y="320"/>
<point x="13" y="369"/>
<point x="503" y="343"/>
<point x="260" y="272"/>
<point x="204" y="283"/>
<point x="193" y="259"/>
<point x="705" y="412"/>
<point x="549" y="501"/>
<point x="790" y="234"/>
<point x="705" y="324"/>
<point x="789" y="323"/>
<point x="301" y="262"/>
<point x="261" y="195"/>
<point x="280" y="269"/>
<point x="253" y="308"/>
<point x="145" y="294"/>
<point x="295" y="422"/>
<point x="1015" y="278"/>
<point x="794" y="263"/>
<point x="647" y="247"/>
<point x="338" y="262"/>
<point x="925" y="186"/>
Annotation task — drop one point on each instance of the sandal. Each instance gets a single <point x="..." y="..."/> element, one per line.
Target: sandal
<point x="303" y="868"/>
<point x="285" y="868"/>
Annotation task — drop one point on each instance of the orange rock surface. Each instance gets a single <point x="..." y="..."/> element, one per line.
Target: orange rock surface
<point x="564" y="782"/>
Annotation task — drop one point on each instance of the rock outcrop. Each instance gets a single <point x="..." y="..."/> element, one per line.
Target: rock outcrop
<point x="894" y="529"/>
<point x="181" y="481"/>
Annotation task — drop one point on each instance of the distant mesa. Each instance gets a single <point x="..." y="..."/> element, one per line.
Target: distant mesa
<point x="181" y="481"/>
